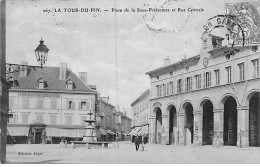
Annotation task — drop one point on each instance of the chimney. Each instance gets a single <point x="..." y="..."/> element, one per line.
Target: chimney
<point x="83" y="77"/>
<point x="105" y="99"/>
<point x="166" y="61"/>
<point x="63" y="69"/>
<point x="23" y="69"/>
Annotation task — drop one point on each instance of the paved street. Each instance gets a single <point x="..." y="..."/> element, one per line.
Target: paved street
<point x="126" y="154"/>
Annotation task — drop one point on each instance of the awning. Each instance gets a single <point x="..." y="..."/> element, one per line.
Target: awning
<point x="109" y="132"/>
<point x="17" y="131"/>
<point x="136" y="130"/>
<point x="74" y="132"/>
<point x="103" y="132"/>
<point x="143" y="131"/>
<point x="98" y="133"/>
<point x="58" y="132"/>
<point x="131" y="132"/>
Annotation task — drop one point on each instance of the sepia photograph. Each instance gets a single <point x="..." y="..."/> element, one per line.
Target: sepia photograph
<point x="129" y="82"/>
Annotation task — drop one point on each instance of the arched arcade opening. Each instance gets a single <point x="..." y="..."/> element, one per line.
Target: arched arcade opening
<point x="254" y="120"/>
<point x="230" y="121"/>
<point x="158" y="126"/>
<point x="172" y="124"/>
<point x="208" y="123"/>
<point x="188" y="123"/>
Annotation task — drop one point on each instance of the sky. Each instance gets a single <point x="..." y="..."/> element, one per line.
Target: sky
<point x="116" y="49"/>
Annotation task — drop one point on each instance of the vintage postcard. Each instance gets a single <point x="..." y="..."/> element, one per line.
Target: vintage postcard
<point x="130" y="82"/>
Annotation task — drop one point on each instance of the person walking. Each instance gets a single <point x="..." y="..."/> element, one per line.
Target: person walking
<point x="137" y="142"/>
<point x="142" y="142"/>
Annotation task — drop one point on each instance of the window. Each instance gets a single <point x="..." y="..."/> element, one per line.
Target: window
<point x="25" y="118"/>
<point x="241" y="71"/>
<point x="25" y="102"/>
<point x="158" y="91"/>
<point x="39" y="118"/>
<point x="168" y="89"/>
<point x="13" y="119"/>
<point x="228" y="70"/>
<point x="70" y="85"/>
<point x="188" y="84"/>
<point x="198" y="81"/>
<point x="82" y="122"/>
<point x="11" y="102"/>
<point x="71" y="105"/>
<point x="179" y="86"/>
<point x="207" y="79"/>
<point x="217" y="77"/>
<point x="171" y="88"/>
<point x="40" y="83"/>
<point x="255" y="68"/>
<point x="84" y="105"/>
<point x="12" y="82"/>
<point x="53" y="103"/>
<point x="40" y="103"/>
<point x="68" y="119"/>
<point x="53" y="119"/>
<point x="164" y="89"/>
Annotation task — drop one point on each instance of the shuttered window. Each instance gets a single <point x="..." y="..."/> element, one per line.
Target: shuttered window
<point x="68" y="119"/>
<point x="25" y="118"/>
<point x="40" y="103"/>
<point x="53" y="119"/>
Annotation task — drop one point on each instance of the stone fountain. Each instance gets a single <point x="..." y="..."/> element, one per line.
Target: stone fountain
<point x="90" y="136"/>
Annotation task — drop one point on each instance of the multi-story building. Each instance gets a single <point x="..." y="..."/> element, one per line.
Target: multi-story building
<point x="208" y="99"/>
<point x="105" y="118"/>
<point x="49" y="104"/>
<point x="141" y="114"/>
<point x="111" y="123"/>
<point x="125" y="125"/>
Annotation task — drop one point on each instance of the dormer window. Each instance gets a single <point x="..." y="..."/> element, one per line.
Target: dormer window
<point x="41" y="84"/>
<point x="12" y="82"/>
<point x="70" y="85"/>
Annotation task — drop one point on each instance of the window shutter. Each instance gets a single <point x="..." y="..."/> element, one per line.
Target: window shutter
<point x="204" y="80"/>
<point x="80" y="105"/>
<point x="67" y="104"/>
<point x="73" y="105"/>
<point x="209" y="78"/>
<point x="191" y="83"/>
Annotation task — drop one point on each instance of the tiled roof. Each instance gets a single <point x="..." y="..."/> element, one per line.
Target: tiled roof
<point x="51" y="77"/>
<point x="141" y="96"/>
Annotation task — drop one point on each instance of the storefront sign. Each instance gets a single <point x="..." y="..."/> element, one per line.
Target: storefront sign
<point x="27" y="94"/>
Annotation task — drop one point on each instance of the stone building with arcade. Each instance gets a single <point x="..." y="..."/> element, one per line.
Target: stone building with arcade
<point x="208" y="99"/>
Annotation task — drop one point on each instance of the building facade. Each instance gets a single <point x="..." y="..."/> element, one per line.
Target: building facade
<point x="208" y="99"/>
<point x="49" y="104"/>
<point x="105" y="118"/>
<point x="141" y="114"/>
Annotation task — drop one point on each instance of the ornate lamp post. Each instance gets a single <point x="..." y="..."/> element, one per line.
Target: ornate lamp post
<point x="41" y="53"/>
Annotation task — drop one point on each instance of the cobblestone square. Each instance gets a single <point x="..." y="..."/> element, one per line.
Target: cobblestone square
<point x="126" y="154"/>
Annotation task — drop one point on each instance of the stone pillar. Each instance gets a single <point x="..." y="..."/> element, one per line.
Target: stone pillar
<point x="243" y="126"/>
<point x="152" y="129"/>
<point x="180" y="130"/>
<point x="218" y="127"/>
<point x="198" y="122"/>
<point x="165" y="129"/>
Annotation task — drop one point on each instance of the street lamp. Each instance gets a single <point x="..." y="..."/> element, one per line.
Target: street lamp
<point x="41" y="53"/>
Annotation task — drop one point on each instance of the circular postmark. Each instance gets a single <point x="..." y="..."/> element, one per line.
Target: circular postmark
<point x="231" y="29"/>
<point x="167" y="18"/>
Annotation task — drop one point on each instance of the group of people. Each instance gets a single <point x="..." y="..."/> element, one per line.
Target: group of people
<point x="138" y="142"/>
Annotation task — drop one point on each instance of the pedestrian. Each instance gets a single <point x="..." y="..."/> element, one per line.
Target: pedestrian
<point x="142" y="143"/>
<point x="137" y="142"/>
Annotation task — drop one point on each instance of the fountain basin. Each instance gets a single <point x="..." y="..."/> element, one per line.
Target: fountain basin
<point x="100" y="144"/>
